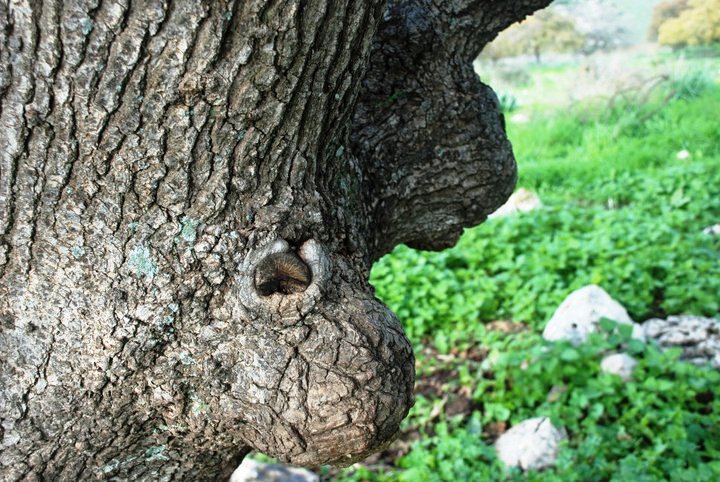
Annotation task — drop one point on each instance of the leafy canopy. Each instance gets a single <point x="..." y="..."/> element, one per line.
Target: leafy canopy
<point x="696" y="22"/>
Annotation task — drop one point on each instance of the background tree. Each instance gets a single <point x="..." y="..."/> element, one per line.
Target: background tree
<point x="697" y="23"/>
<point x="601" y="24"/>
<point x="191" y="197"/>
<point x="546" y="31"/>
<point x="662" y="12"/>
<point x="583" y="26"/>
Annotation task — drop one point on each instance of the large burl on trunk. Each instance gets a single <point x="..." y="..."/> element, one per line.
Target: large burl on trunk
<point x="191" y="197"/>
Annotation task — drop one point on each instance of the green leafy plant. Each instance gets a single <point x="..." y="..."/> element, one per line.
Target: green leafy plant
<point x="690" y="85"/>
<point x="508" y="103"/>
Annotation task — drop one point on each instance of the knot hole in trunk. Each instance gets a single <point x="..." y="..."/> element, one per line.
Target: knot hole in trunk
<point x="283" y="273"/>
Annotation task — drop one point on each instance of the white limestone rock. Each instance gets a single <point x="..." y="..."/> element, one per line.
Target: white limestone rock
<point x="713" y="230"/>
<point x="253" y="471"/>
<point x="580" y="313"/>
<point x="521" y="200"/>
<point x="532" y="444"/>
<point x="698" y="337"/>
<point x="620" y="364"/>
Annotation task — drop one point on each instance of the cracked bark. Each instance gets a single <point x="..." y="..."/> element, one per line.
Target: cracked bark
<point x="154" y="154"/>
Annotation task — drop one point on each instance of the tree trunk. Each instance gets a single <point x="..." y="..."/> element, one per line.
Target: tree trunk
<point x="191" y="197"/>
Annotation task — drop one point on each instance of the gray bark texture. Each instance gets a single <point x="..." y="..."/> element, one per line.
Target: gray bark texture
<point x="191" y="197"/>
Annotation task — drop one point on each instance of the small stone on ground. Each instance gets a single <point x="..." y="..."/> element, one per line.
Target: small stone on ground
<point x="580" y="313"/>
<point x="532" y="444"/>
<point x="522" y="200"/>
<point x="620" y="364"/>
<point x="698" y="337"/>
<point x="253" y="471"/>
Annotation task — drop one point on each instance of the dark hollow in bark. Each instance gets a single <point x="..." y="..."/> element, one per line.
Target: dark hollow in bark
<point x="191" y="197"/>
<point x="282" y="273"/>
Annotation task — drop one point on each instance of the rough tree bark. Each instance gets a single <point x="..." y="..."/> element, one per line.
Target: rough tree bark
<point x="153" y="154"/>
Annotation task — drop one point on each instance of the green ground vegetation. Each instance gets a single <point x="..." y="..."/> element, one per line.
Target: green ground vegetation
<point x="628" y="184"/>
<point x="573" y="81"/>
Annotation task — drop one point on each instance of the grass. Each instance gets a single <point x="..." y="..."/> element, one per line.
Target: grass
<point x="620" y="210"/>
<point x="599" y="142"/>
<point x="571" y="80"/>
